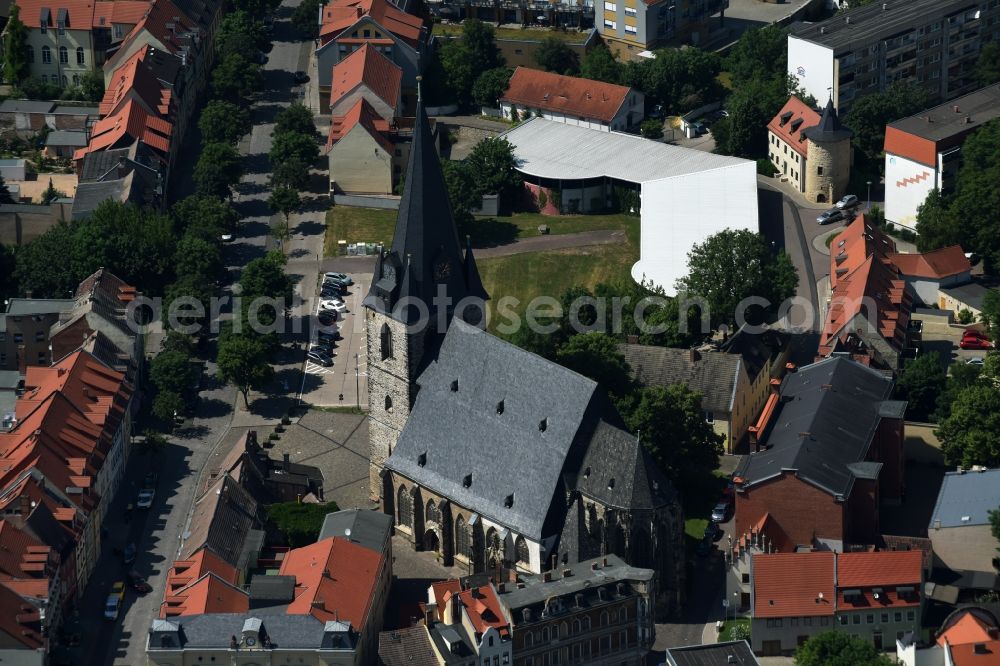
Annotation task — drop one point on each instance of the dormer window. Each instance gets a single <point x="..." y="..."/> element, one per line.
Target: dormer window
<point x="796" y="124"/>
<point x="422" y="459"/>
<point x="785" y="117"/>
<point x="500" y="408"/>
<point x="509" y="501"/>
<point x="611" y="483"/>
<point x="454" y="386"/>
<point x="467" y="481"/>
<point x="586" y="473"/>
<point x="543" y="425"/>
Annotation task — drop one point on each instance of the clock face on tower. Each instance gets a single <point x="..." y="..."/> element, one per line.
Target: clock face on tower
<point x="442" y="270"/>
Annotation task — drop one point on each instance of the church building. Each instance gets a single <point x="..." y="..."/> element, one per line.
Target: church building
<point x="493" y="457"/>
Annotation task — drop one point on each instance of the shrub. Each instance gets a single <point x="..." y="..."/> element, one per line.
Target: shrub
<point x="740" y="632"/>
<point x="766" y="168"/>
<point x="543" y="199"/>
<point x="299" y="523"/>
<point x="965" y="316"/>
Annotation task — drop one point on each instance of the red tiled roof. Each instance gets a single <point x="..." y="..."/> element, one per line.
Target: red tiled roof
<point x="443" y="590"/>
<point x="484" y="610"/>
<point x="121" y="12"/>
<point x="340" y="15"/>
<point x="134" y="76"/>
<point x="790" y="584"/>
<point x="937" y="264"/>
<point x="21" y="555"/>
<point x="565" y="94"/>
<point x="334" y="579"/>
<point x="208" y="594"/>
<point x="81" y="13"/>
<point x="859" y="240"/>
<point x="369" y="67"/>
<point x="986" y="653"/>
<point x="133" y="122"/>
<point x="362" y="114"/>
<point x="767" y="527"/>
<point x="165" y="23"/>
<point x="967" y="626"/>
<point x="794" y="117"/>
<point x="19" y="620"/>
<point x="879" y="568"/>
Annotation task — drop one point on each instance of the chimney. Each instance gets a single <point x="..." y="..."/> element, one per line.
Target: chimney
<point x="286" y="463"/>
<point x="955" y="108"/>
<point x="791" y="367"/>
<point x="693" y="355"/>
<point x="429" y="611"/>
<point x="27" y="293"/>
<point x="567" y="573"/>
<point x="632" y="340"/>
<point x="847" y="20"/>
<point x="594" y="566"/>
<point x="21" y="361"/>
<point x="456" y="609"/>
<point x="604" y="562"/>
<point x="359" y="12"/>
<point x="547" y="577"/>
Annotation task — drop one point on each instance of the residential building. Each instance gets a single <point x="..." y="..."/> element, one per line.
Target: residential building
<point x="31" y="570"/>
<point x="269" y="480"/>
<point x="633" y="26"/>
<point x="63" y="143"/>
<point x="560" y="432"/>
<point x="924" y="152"/>
<point x="829" y="452"/>
<point x="412" y="647"/>
<point x="964" y="297"/>
<point x="868" y="315"/>
<point x="596" y="612"/>
<point x="25" y="114"/>
<point x="323" y="607"/>
<point x="368" y="74"/>
<point x="24" y="331"/>
<point x="969" y="636"/>
<point x="347" y="25"/>
<point x="568" y="15"/>
<point x="960" y="525"/>
<point x="466" y="618"/>
<point x="873" y="595"/>
<point x="21" y="639"/>
<point x="733" y="379"/>
<point x="928" y="273"/>
<point x="812" y="151"/>
<point x="572" y="100"/>
<point x="865" y="49"/>
<point x="712" y="654"/>
<point x="683" y="196"/>
<point x="134" y="174"/>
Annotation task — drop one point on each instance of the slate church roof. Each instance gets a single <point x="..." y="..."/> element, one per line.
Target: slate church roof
<point x="519" y="430"/>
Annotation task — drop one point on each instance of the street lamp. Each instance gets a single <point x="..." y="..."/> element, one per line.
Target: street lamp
<point x="869" y="204"/>
<point x="357" y="381"/>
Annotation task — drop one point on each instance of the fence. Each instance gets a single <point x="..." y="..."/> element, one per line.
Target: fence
<point x="385" y="201"/>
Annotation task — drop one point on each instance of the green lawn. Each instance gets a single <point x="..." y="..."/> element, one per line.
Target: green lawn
<point x="374" y="225"/>
<point x="829" y="239"/>
<point x="727" y="629"/>
<point x="694" y="528"/>
<point x="516" y="34"/>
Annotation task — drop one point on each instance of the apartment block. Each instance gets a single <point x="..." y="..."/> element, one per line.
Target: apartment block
<point x="861" y="51"/>
<point x="629" y="27"/>
<point x="924" y="152"/>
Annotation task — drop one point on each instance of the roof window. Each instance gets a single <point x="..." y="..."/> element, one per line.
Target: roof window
<point x="500" y="408"/>
<point x="611" y="483"/>
<point x="422" y="459"/>
<point x="785" y="117"/>
<point x="796" y="124"/>
<point x="454" y="385"/>
<point x="586" y="473"/>
<point x="467" y="481"/>
<point x="543" y="424"/>
<point x="509" y="501"/>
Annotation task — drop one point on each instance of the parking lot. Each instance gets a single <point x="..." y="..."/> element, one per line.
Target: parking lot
<point x="941" y="337"/>
<point x="345" y="383"/>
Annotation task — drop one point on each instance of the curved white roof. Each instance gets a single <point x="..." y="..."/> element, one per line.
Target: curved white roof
<point x="549" y="149"/>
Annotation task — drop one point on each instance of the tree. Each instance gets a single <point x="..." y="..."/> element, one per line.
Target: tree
<point x="240" y="33"/>
<point x="235" y="78"/>
<point x="758" y="54"/>
<point x="8" y="283"/>
<point x="961" y="377"/>
<point x="223" y="122"/>
<point x="167" y="405"/>
<point x="205" y="217"/>
<point x="173" y="371"/>
<point x="599" y="64"/>
<point x="199" y="258"/>
<point x="681" y="79"/>
<point x="51" y="193"/>
<point x="463" y="190"/>
<point x="299" y="522"/>
<point x="652" y="128"/>
<point x="217" y="170"/>
<point x="15" y="48"/>
<point x="265" y="277"/>
<point x="306" y="18"/>
<point x="494" y="167"/>
<point x="284" y="200"/>
<point x="479" y="39"/>
<point x="988" y="65"/>
<point x="751" y="106"/>
<point x="459" y="74"/>
<point x="671" y="424"/>
<point x="490" y="87"/>
<point x="555" y="55"/>
<point x="43" y="267"/>
<point x="733" y="265"/>
<point x="281" y="233"/>
<point x="92" y="86"/>
<point x="871" y="113"/>
<point x="292" y="145"/>
<point x="295" y="118"/>
<point x="970" y="435"/>
<point x="293" y="172"/>
<point x="976" y="196"/>
<point x="5" y="196"/>
<point x="835" y="648"/>
<point x="994" y="515"/>
<point x="243" y="362"/>
<point x="991" y="312"/>
<point x="921" y="383"/>
<point x="935" y="226"/>
<point x="596" y="355"/>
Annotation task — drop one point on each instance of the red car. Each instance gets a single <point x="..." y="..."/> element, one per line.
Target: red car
<point x="973" y="333"/>
<point x="975" y="343"/>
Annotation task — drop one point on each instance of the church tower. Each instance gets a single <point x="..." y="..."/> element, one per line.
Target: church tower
<point x="416" y="288"/>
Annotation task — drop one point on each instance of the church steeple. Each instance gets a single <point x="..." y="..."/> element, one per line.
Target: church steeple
<point x="425" y="244"/>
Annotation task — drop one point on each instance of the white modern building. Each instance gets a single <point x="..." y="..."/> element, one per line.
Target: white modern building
<point x="683" y="196"/>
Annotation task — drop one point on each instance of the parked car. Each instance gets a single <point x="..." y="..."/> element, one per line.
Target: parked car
<point x="138" y="583"/>
<point x="976" y="360"/>
<point x="973" y="333"/>
<point x="145" y="499"/>
<point x="332" y="336"/>
<point x="300" y="77"/>
<point x="335" y="284"/>
<point x="847" y="201"/>
<point x="326" y="318"/>
<point x="720" y="511"/>
<point x="226" y="238"/>
<point x="333" y="305"/>
<point x="130" y="552"/>
<point x="343" y="277"/>
<point x="704" y="548"/>
<point x="114" y="602"/>
<point x="331" y="293"/>
<point x="712" y="531"/>
<point x="832" y="215"/>
<point x="975" y="343"/>
<point x="319" y="358"/>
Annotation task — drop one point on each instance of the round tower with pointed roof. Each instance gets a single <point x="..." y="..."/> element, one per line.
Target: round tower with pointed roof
<point x="829" y="167"/>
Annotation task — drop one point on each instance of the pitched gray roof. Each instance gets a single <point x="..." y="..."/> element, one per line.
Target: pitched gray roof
<point x="370" y="529"/>
<point x="508" y="454"/>
<point x="828" y="128"/>
<point x="969" y="495"/>
<point x="23" y="307"/>
<point x="213" y="630"/>
<point x="712" y="373"/>
<point x="713" y="654"/>
<point x="25" y="106"/>
<point x="828" y="415"/>
<point x="617" y="471"/>
<point x="406" y="647"/>
<point x="222" y="520"/>
<point x="75" y="138"/>
<point x="584" y="577"/>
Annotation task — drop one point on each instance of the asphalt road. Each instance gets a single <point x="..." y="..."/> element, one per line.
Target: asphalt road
<point x="158" y="532"/>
